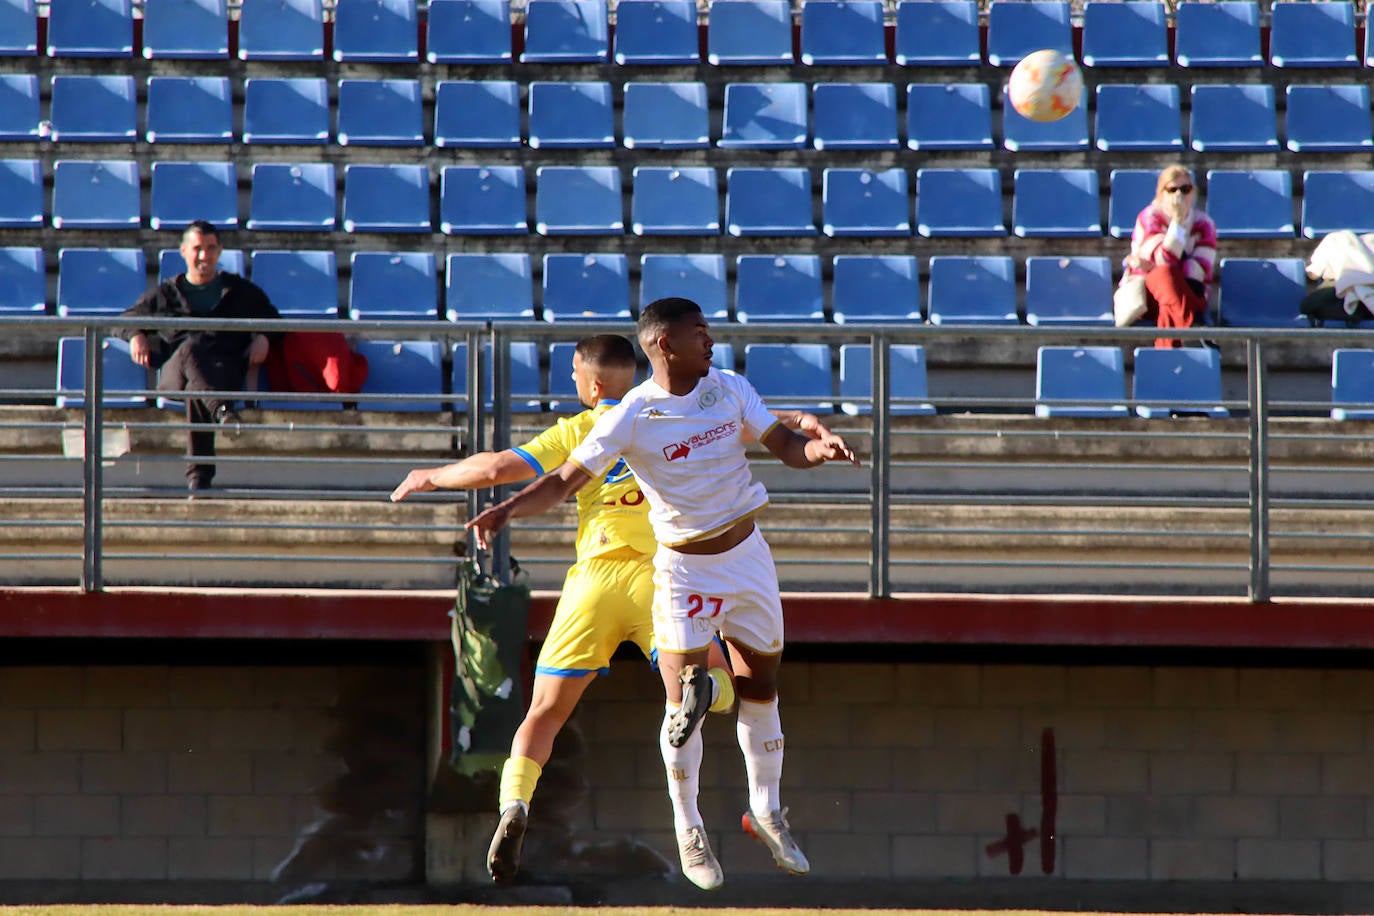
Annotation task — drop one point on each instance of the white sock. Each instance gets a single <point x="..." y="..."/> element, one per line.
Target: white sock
<point x="683" y="767"/>
<point x="760" y="739"/>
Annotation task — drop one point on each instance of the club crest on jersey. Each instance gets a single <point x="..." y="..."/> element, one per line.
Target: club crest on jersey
<point x="676" y="450"/>
<point x="709" y="398"/>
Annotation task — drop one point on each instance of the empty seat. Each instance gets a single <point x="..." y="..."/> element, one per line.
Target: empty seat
<point x="192" y="29"/>
<point x="477" y="113"/>
<point x="565" y="31"/>
<point x="385" y="285"/>
<point x="1125" y="33"/>
<point x="386" y="198"/>
<point x="842" y="32"/>
<point x="937" y="33"/>
<point x="764" y="116"/>
<point x="578" y="200"/>
<point x="978" y="289"/>
<point x="482" y="200"/>
<point x="18" y="28"/>
<point x="190" y="109"/>
<point x="19" y="108"/>
<point x="1066" y="134"/>
<point x="854" y="116"/>
<point x="562" y="389"/>
<point x="1138" y="116"/>
<point x="1217" y="34"/>
<point x="906" y="380"/>
<point x="490" y="285"/>
<point x="1233" y="118"/>
<point x="523" y="360"/>
<point x="97" y="109"/>
<point x="959" y="202"/>
<point x="186" y="191"/>
<point x="1132" y="190"/>
<point x="1337" y="200"/>
<point x="23" y="284"/>
<point x="1328" y="118"/>
<point x="294" y="110"/>
<point x="948" y="115"/>
<point x="1251" y="203"/>
<point x="1182" y="380"/>
<point x="1056" y="203"/>
<point x="1091" y="378"/>
<point x="586" y="286"/>
<point x="666" y="116"/>
<point x="571" y="115"/>
<point x="380" y="113"/>
<point x="876" y="287"/>
<point x="1262" y="292"/>
<point x="778" y="287"/>
<point x="468" y="32"/>
<point x="402" y="367"/>
<point x="1312" y="34"/>
<point x="121" y="374"/>
<point x="376" y="31"/>
<point x="791" y="376"/>
<point x="292" y="197"/>
<point x="699" y="277"/>
<point x="99" y="281"/>
<point x="284" y="30"/>
<point x="303" y="284"/>
<point x="750" y="32"/>
<point x="656" y="32"/>
<point x="675" y="201"/>
<point x="863" y="202"/>
<point x="170" y="263"/>
<point x="1018" y="27"/>
<point x="90" y="28"/>
<point x="1068" y="290"/>
<point x="1352" y="382"/>
<point x="95" y="194"/>
<point x="764" y="201"/>
<point x="21" y="194"/>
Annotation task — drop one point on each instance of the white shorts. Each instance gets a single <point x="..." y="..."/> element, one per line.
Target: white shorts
<point x="735" y="593"/>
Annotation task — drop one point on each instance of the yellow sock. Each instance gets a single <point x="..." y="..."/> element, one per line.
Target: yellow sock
<point x="518" y="779"/>
<point x="725" y="690"/>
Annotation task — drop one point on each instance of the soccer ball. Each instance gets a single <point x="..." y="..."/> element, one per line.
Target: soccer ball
<point x="1045" y="86"/>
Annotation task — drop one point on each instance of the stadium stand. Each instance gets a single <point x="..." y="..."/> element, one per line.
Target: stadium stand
<point x="656" y="32"/>
<point x="906" y="380"/>
<point x="972" y="289"/>
<point x="186" y="191"/>
<point x="284" y="31"/>
<point x="1312" y="34"/>
<point x="94" y="109"/>
<point x="19" y="107"/>
<point x="482" y="200"/>
<point x="565" y="32"/>
<point x="1262" y="292"/>
<point x="468" y="32"/>
<point x="186" y="29"/>
<point x="854" y="116"/>
<point x="1251" y="203"/>
<point x="1056" y="203"/>
<point x="877" y="288"/>
<point x="937" y="33"/>
<point x="1179" y="381"/>
<point x="1332" y="118"/>
<point x="18" y="28"/>
<point x="781" y="287"/>
<point x="121" y="374"/>
<point x="848" y="33"/>
<point x="491" y="286"/>
<point x="380" y="113"/>
<point x="297" y="197"/>
<point x="23" y="285"/>
<point x="95" y="194"/>
<point x="1067" y="134"/>
<point x="675" y="201"/>
<point x="1018" y="27"/>
<point x="1352" y="382"/>
<point x="403" y="367"/>
<point x="1068" y="291"/>
<point x="393" y="284"/>
<point x="948" y="116"/>
<point x="21" y="193"/>
<point x="699" y="277"/>
<point x="764" y="116"/>
<point x="862" y="202"/>
<point x="665" y="116"/>
<point x="90" y="28"/>
<point x="1131" y="190"/>
<point x="477" y="113"/>
<point x="959" y="202"/>
<point x="376" y="31"/>
<point x="301" y="284"/>
<point x="1125" y="33"/>
<point x="525" y="386"/>
<point x="1091" y="377"/>
<point x="386" y="198"/>
<point x="99" y="281"/>
<point x="189" y="109"/>
<point x="571" y="115"/>
<point x="1138" y="116"/>
<point x="750" y="32"/>
<point x="1233" y="119"/>
<point x="1333" y="200"/>
<point x="1217" y="34"/>
<point x="791" y="376"/>
<point x="768" y="201"/>
<point x="291" y="110"/>
<point x="578" y="200"/>
<point x="586" y="286"/>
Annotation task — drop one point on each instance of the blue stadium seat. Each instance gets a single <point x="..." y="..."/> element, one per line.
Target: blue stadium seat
<point x="1368" y="45"/>
<point x="675" y="201"/>
<point x="488" y="286"/>
<point x="21" y="194"/>
<point x="1312" y="34"/>
<point x="19" y="107"/>
<point x="1262" y="292"/>
<point x="1217" y="34"/>
<point x="977" y="289"/>
<point x="1068" y="291"/>
<point x="524" y="376"/>
<point x="1238" y="119"/>
<point x="1142" y="116"/>
<point x="90" y="28"/>
<point x="1018" y="27"/>
<point x="1352" y="382"/>
<point x="393" y="284"/>
<point x="1132" y="191"/>
<point x="18" y="28"/>
<point x="768" y="201"/>
<point x="292" y="197"/>
<point x="1328" y="118"/>
<point x="1337" y="200"/>
<point x="656" y="32"/>
<point x="562" y="390"/>
<point x="764" y="116"/>
<point x="376" y="31"/>
<point x="403" y="367"/>
<point x="750" y="32"/>
<point x="842" y="32"/>
<point x="948" y="115"/>
<point x="1021" y="134"/>
<point x="190" y="109"/>
<point x="792" y="376"/>
<point x="285" y="30"/>
<point x="876" y="287"/>
<point x="1125" y="33"/>
<point x="699" y="277"/>
<point x="190" y="29"/>
<point x="121" y="374"/>
<point x="578" y="200"/>
<point x="23" y="284"/>
<point x="95" y="194"/>
<point x="482" y="200"/>
<point x="477" y="113"/>
<point x="380" y="113"/>
<point x="565" y="31"/>
<point x="666" y="116"/>
<point x="99" y="281"/>
<point x="564" y="115"/>
<point x="863" y="202"/>
<point x="937" y="33"/>
<point x="854" y="116"/>
<point x="1179" y="381"/>
<point x="186" y="191"/>
<point x="468" y="32"/>
<point x="906" y="380"/>
<point x="301" y="284"/>
<point x="94" y="109"/>
<point x="1251" y="203"/>
<point x="959" y="202"/>
<point x="1093" y="377"/>
<point x="777" y="287"/>
<point x="585" y="287"/>
<point x="170" y="263"/>
<point x="386" y="198"/>
<point x="1056" y="203"/>
<point x="292" y="110"/>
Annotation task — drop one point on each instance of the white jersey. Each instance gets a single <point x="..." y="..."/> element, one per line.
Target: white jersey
<point x="686" y="451"/>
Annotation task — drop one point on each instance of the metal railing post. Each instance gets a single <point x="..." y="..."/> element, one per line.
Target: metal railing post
<point x="500" y="436"/>
<point x="1259" y="472"/>
<point x="879" y="568"/>
<point x="92" y="479"/>
<point x="477" y="418"/>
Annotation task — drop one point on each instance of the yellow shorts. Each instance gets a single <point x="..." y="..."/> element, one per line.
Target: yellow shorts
<point x="604" y="603"/>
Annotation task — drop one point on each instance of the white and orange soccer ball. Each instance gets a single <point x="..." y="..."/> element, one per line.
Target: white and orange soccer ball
<point x="1045" y="86"/>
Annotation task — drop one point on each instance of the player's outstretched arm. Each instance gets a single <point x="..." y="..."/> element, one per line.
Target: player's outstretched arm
<point x="539" y="497"/>
<point x="484" y="469"/>
<point x="797" y="451"/>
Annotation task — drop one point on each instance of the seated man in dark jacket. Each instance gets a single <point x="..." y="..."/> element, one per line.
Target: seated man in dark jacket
<point x="202" y="361"/>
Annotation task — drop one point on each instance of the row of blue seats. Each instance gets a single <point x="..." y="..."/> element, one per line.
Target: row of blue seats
<point x="660" y="115"/>
<point x="656" y="32"/>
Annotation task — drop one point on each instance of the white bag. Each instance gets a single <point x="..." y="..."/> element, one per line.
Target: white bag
<point x="1128" y="302"/>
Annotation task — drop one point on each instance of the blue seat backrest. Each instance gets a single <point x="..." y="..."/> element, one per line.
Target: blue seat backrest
<point x="1094" y="376"/>
<point x="656" y="32"/>
<point x="937" y="33"/>
<point x="586" y="286"/>
<point x="189" y="29"/>
<point x="525" y="387"/>
<point x="18" y="28"/>
<point x="1352" y="382"/>
<point x="1125" y="33"/>
<point x="565" y="31"/>
<point x="1187" y="380"/>
<point x="977" y="289"/>
<point x="1262" y="292"/>
<point x="468" y="32"/>
<point x="304" y="284"/>
<point x="393" y="284"/>
<point x="791" y="376"/>
<point x="376" y="31"/>
<point x="699" y="277"/>
<point x="402" y="367"/>
<point x="750" y="32"/>
<point x="906" y="380"/>
<point x="1068" y="290"/>
<point x="121" y="373"/>
<point x="285" y="30"/>
<point x="1333" y="200"/>
<point x="491" y="285"/>
<point x="778" y="288"/>
<point x="23" y="285"/>
<point x="1018" y="27"/>
<point x="876" y="288"/>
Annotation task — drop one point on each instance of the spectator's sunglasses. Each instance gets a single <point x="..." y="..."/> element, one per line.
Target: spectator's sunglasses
<point x="1180" y="189"/>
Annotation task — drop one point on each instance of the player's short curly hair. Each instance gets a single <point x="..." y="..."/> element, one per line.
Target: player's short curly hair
<point x="607" y="351"/>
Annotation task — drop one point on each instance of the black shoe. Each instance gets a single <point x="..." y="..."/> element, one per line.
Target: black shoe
<point x="230" y="423"/>
<point x="503" y="856"/>
<point x="696" y="701"/>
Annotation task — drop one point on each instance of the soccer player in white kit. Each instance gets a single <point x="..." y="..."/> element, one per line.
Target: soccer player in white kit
<point x="682" y="433"/>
